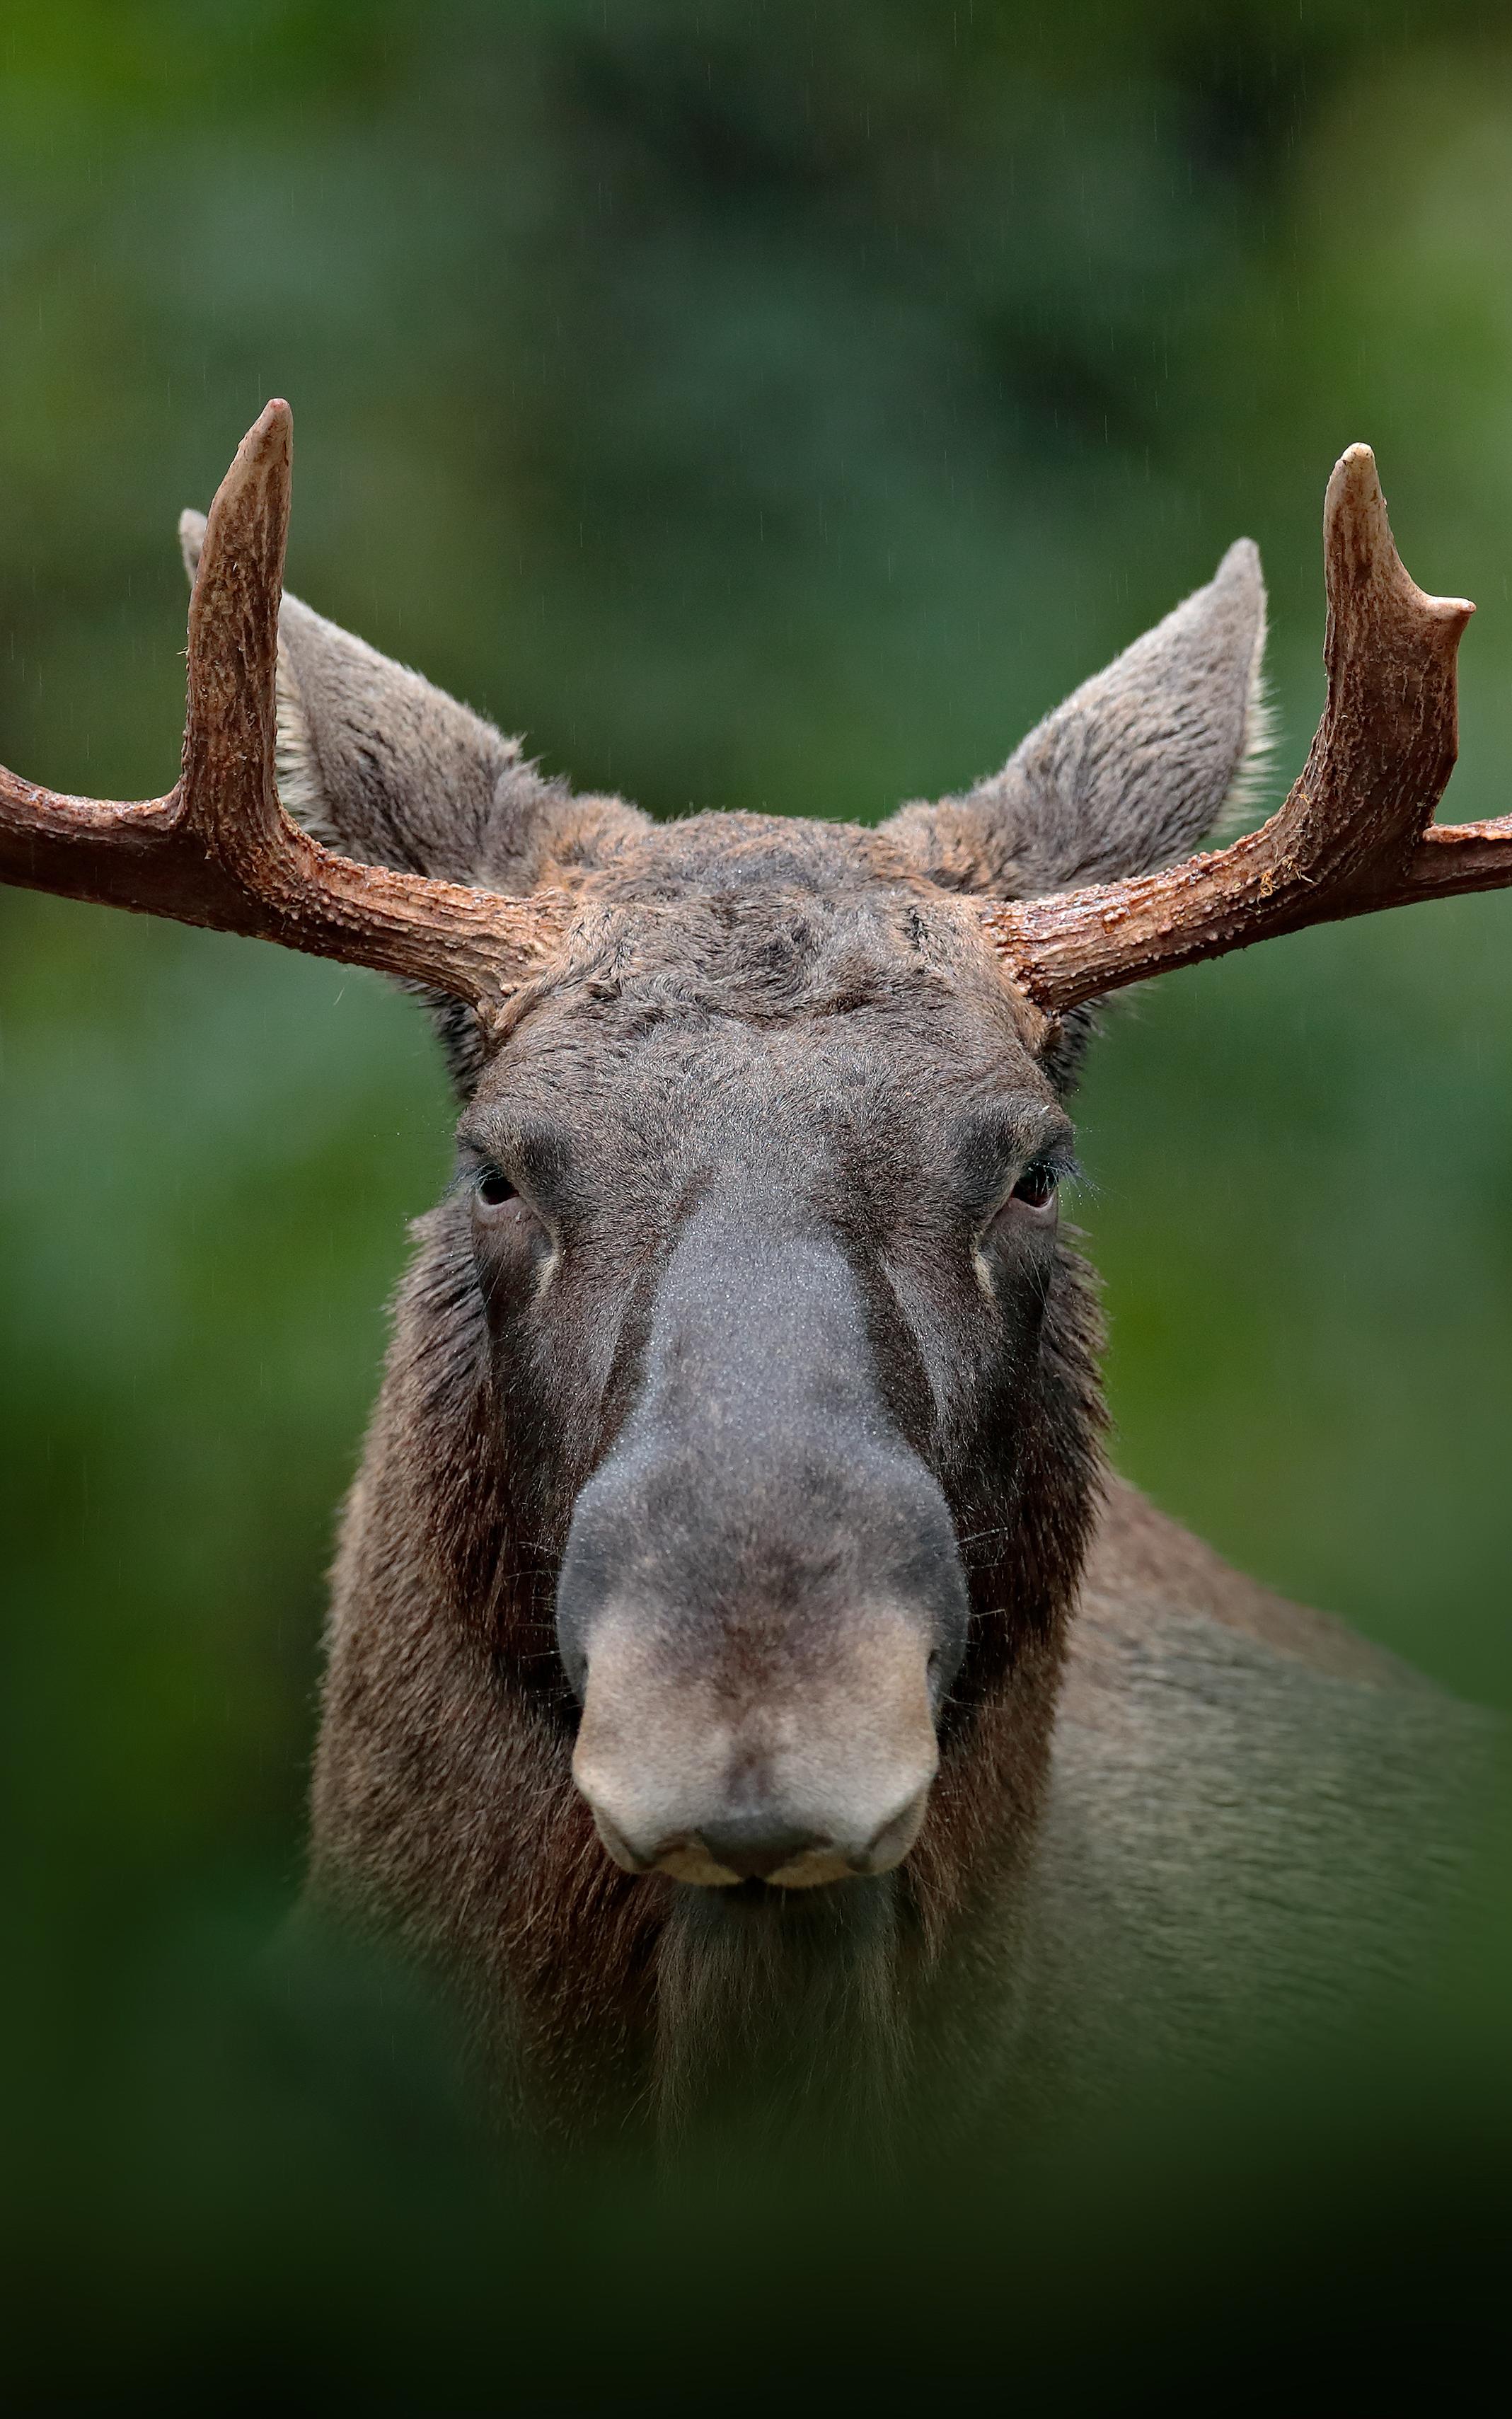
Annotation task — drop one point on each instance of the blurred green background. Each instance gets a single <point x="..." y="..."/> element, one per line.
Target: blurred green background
<point x="758" y="405"/>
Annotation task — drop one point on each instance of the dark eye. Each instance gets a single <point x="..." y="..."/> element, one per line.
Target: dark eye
<point x="494" y="1190"/>
<point x="1036" y="1187"/>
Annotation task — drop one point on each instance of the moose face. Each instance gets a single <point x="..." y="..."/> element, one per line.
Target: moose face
<point x="766" y="1263"/>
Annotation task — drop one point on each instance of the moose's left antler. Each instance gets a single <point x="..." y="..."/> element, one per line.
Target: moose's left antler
<point x="1357" y="832"/>
<point x="219" y="850"/>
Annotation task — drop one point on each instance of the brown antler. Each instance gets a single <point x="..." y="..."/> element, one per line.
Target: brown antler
<point x="219" y="850"/>
<point x="1356" y="832"/>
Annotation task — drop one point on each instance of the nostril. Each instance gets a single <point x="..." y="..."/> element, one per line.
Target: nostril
<point x="890" y="1844"/>
<point x="756" y="1850"/>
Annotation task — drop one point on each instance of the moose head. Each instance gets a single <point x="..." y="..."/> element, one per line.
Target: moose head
<point x="744" y="1415"/>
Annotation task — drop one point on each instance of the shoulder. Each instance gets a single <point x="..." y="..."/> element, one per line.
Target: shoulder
<point x="1146" y="1575"/>
<point x="1217" y="1690"/>
<point x="1253" y="1816"/>
<point x="1233" y="1742"/>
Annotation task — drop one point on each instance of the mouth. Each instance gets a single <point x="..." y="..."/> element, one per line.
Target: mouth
<point x="813" y="1868"/>
<point x="784" y="1869"/>
<point x="754" y="1893"/>
<point x="755" y="1901"/>
<point x="781" y="1875"/>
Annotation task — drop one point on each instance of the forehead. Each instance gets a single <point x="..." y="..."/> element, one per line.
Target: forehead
<point x="749" y="963"/>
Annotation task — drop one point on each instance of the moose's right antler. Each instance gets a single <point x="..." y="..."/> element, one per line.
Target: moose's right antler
<point x="1357" y="832"/>
<point x="219" y="850"/>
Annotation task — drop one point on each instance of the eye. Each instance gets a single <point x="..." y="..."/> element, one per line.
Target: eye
<point x="1036" y="1187"/>
<point x="493" y="1189"/>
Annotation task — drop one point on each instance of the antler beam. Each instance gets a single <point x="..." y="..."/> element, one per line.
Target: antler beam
<point x="1357" y="831"/>
<point x="219" y="850"/>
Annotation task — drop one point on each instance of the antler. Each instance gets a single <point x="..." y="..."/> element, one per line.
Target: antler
<point x="219" y="850"/>
<point x="1357" y="832"/>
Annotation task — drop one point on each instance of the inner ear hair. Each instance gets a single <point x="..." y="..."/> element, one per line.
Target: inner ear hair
<point x="1255" y="772"/>
<point x="1136" y="767"/>
<point x="380" y="765"/>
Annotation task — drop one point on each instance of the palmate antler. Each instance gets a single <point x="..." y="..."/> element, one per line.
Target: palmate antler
<point x="219" y="850"/>
<point x="1356" y="832"/>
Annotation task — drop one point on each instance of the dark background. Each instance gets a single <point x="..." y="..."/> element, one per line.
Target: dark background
<point x="758" y="405"/>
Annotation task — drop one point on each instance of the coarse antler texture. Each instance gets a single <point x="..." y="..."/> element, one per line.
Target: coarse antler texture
<point x="219" y="850"/>
<point x="1356" y="832"/>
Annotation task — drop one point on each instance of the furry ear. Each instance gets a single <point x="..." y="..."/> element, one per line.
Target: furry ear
<point x="1131" y="772"/>
<point x="388" y="770"/>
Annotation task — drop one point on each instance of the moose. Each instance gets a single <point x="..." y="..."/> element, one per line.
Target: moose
<point x="745" y="1676"/>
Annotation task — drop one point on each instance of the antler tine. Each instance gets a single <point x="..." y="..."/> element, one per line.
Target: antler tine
<point x="219" y="849"/>
<point x="1356" y="832"/>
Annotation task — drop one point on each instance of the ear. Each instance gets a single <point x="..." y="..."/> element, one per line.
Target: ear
<point x="388" y="770"/>
<point x="1131" y="771"/>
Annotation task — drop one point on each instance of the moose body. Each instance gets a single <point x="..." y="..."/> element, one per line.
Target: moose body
<point x="747" y="1687"/>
